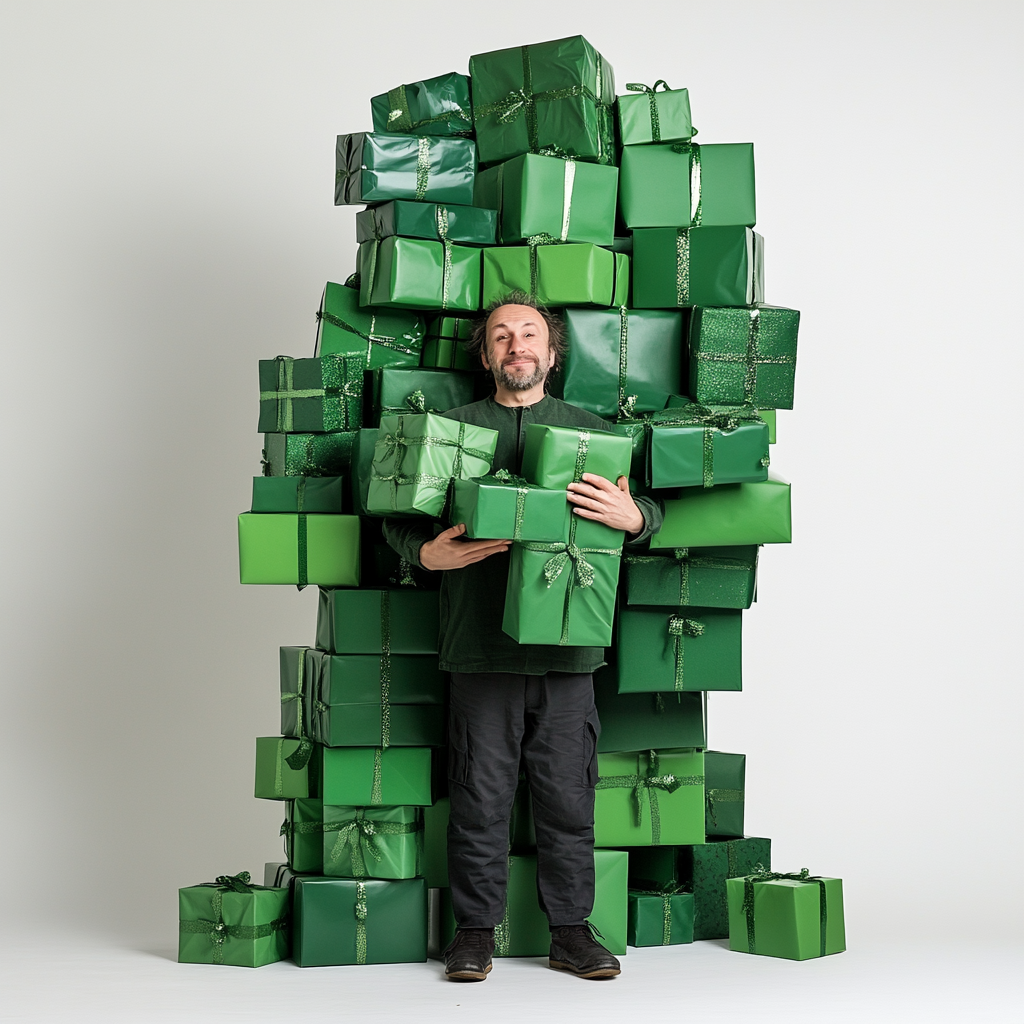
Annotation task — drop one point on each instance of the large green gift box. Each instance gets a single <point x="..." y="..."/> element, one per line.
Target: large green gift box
<point x="557" y="275"/>
<point x="794" y="916"/>
<point x="307" y="454"/>
<point x="373" y="842"/>
<point x="373" y="167"/>
<point x="622" y="361"/>
<point x="631" y="720"/>
<point x="385" y="337"/>
<point x="732" y="514"/>
<point x="372" y="621"/>
<point x="724" y="785"/>
<point x="406" y="390"/>
<point x="660" y="917"/>
<point x="446" y="343"/>
<point x="649" y="798"/>
<point x="744" y="356"/>
<point x="555" y="457"/>
<point x="303" y="830"/>
<point x="365" y="777"/>
<point x="413" y="273"/>
<point x="232" y="921"/>
<point x="298" y="549"/>
<point x="661" y="649"/>
<point x="713" y="266"/>
<point x="435" y="106"/>
<point x="311" y="395"/>
<point x="298" y="494"/>
<point x="417" y="457"/>
<point x="354" y="921"/>
<point x="567" y="200"/>
<point x="686" y="186"/>
<point x="506" y="507"/>
<point x="654" y="115"/>
<point x="723" y="577"/>
<point x="556" y="95"/>
<point x="467" y="225"/>
<point x="285" y="769"/>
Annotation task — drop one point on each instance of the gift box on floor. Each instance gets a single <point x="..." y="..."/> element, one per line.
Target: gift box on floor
<point x="307" y="454"/>
<point x="374" y="842"/>
<point x="286" y="768"/>
<point x="368" y="621"/>
<point x="630" y="720"/>
<point x="406" y="390"/>
<point x="506" y="507"/>
<point x="298" y="494"/>
<point x="413" y="273"/>
<point x="311" y="395"/>
<point x="724" y="784"/>
<point x="660" y="917"/>
<point x="445" y="345"/>
<point x="727" y="515"/>
<point x="298" y="549"/>
<point x="435" y="106"/>
<point x="555" y="457"/>
<point x="654" y="115"/>
<point x="351" y="921"/>
<point x="385" y="337"/>
<point x="232" y="921"/>
<point x="374" y="777"/>
<point x="724" y="577"/>
<point x="466" y="225"/>
<point x="303" y="831"/>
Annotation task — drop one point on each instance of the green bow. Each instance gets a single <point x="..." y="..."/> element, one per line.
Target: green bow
<point x="361" y="834"/>
<point x="665" y="893"/>
<point x="522" y="486"/>
<point x="652" y="97"/>
<point x="678" y="629"/>
<point x="217" y="930"/>
<point x="761" y="874"/>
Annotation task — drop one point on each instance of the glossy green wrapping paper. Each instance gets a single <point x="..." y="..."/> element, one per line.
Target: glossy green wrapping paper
<point x="276" y="779"/>
<point x="413" y="273"/>
<point x="660" y="918"/>
<point x="372" y="842"/>
<point x="311" y="395"/>
<point x="435" y="106"/>
<point x="724" y="786"/>
<point x="467" y="225"/>
<point x="507" y="507"/>
<point x="557" y="275"/>
<point x="727" y="515"/>
<point x="554" y="457"/>
<point x="724" y="577"/>
<point x="298" y="494"/>
<point x="312" y="455"/>
<point x="649" y="114"/>
<point x="303" y="832"/>
<point x="421" y="389"/>
<point x="385" y="337"/>
<point x="386" y="725"/>
<point x="365" y="777"/>
<point x="366" y="621"/>
<point x="298" y="549"/>
<point x="636" y="721"/>
<point x="445" y="345"/>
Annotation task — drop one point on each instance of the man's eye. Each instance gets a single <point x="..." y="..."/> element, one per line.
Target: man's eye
<point x="529" y="334"/>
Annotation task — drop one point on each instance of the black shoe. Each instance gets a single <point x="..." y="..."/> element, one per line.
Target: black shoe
<point x="468" y="958"/>
<point x="574" y="949"/>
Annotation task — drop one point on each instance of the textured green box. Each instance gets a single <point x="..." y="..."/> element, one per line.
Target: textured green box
<point x="276" y="779"/>
<point x="660" y="918"/>
<point x="298" y="549"/>
<point x="724" y="786"/>
<point x="557" y="275"/>
<point x="724" y="577"/>
<point x="727" y="515"/>
<point x="555" y="457"/>
<point x="446" y="344"/>
<point x="509" y="508"/>
<point x="311" y="455"/>
<point x="406" y="389"/>
<point x="298" y="494"/>
<point x="360" y="621"/>
<point x="385" y="337"/>
<point x="368" y="777"/>
<point x="435" y="106"/>
<point x="653" y="115"/>
<point x="318" y="395"/>
<point x="638" y="721"/>
<point x="413" y="273"/>
<point x="303" y="830"/>
<point x="467" y="225"/>
<point x="372" y="842"/>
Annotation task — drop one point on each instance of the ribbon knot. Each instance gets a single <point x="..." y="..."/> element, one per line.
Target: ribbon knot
<point x="236" y="883"/>
<point x="679" y="628"/>
<point x="652" y="98"/>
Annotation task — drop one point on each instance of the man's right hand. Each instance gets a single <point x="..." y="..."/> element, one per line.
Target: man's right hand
<point x="446" y="551"/>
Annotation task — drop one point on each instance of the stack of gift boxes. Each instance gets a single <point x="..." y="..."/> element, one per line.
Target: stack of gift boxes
<point x="529" y="175"/>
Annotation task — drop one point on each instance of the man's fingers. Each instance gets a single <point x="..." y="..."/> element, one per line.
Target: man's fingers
<point x="582" y="500"/>
<point x="452" y="531"/>
<point x="586" y="490"/>
<point x="599" y="481"/>
<point x="623" y="483"/>
<point x="476" y="556"/>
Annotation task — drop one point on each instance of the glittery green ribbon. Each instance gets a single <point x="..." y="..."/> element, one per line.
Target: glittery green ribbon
<point x="680" y="628"/>
<point x="385" y="669"/>
<point x="714" y="797"/>
<point x="522" y="487"/>
<point x="761" y="875"/>
<point x="684" y="561"/>
<point x="361" y="912"/>
<point x="652" y="97"/>
<point x="377" y="788"/>
<point x="503" y="929"/>
<point x="361" y="834"/>
<point x="340" y="393"/>
<point x="422" y="167"/>
<point x="291" y="829"/>
<point x="533" y="241"/>
<point x="400" y="119"/>
<point x="627" y="403"/>
<point x="568" y="180"/>
<point x="665" y="894"/>
<point x="299" y="758"/>
<point x="683" y="267"/>
<point x="692" y="150"/>
<point x="372" y="337"/>
<point x="446" y="263"/>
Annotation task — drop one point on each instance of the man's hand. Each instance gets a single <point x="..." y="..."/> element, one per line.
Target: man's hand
<point x="446" y="551"/>
<point x="608" y="503"/>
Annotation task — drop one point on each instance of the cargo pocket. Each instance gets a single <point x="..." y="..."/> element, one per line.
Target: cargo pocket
<point x="591" y="731"/>
<point x="458" y="748"/>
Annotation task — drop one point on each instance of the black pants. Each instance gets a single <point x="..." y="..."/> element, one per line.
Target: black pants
<point x="549" y="724"/>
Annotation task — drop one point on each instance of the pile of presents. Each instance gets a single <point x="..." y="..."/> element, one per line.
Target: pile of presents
<point x="529" y="175"/>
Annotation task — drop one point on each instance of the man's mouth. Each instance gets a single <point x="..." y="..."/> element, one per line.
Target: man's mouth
<point x="518" y="362"/>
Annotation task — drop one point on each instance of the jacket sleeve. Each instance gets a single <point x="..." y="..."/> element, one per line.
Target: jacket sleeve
<point x="407" y="536"/>
<point x="654" y="515"/>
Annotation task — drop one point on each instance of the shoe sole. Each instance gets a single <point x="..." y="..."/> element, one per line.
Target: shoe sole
<point x="601" y="972"/>
<point x="468" y="975"/>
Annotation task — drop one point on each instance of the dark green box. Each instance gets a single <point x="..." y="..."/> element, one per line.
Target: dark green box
<point x="706" y="577"/>
<point x="385" y="337"/>
<point x="660" y="918"/>
<point x="467" y="225"/>
<point x="401" y="390"/>
<point x="645" y="721"/>
<point x="311" y="455"/>
<point x="303" y="832"/>
<point x="311" y="395"/>
<point x="414" y="273"/>
<point x="298" y="494"/>
<point x="435" y="106"/>
<point x="359" y="621"/>
<point x="724" y="785"/>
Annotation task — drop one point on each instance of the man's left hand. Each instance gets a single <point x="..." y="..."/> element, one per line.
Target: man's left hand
<point x="608" y="503"/>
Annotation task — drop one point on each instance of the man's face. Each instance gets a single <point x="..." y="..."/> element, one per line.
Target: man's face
<point x="517" y="351"/>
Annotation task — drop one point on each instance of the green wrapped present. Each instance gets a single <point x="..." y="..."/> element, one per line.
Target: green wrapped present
<point x="768" y="415"/>
<point x="712" y="266"/>
<point x="417" y="457"/>
<point x="654" y="116"/>
<point x="384" y="337"/>
<point x="629" y="720"/>
<point x="373" y="842"/>
<point x="376" y="621"/>
<point x="353" y="921"/>
<point x="298" y="685"/>
<point x="467" y="225"/>
<point x="311" y="395"/>
<point x="744" y="356"/>
<point x="232" y="921"/>
<point x="278" y="873"/>
<point x="285" y="769"/>
<point x="794" y="916"/>
<point x="622" y="361"/>
<point x="555" y="96"/>
<point x="298" y="549"/>
<point x="435" y="106"/>
<point x="660" y="917"/>
<point x="446" y="344"/>
<point x="412" y="273"/>
<point x="636" y="431"/>
<point x="362" y="461"/>
<point x="555" y="457"/>
<point x="724" y="784"/>
<point x="303" y="831"/>
<point x="557" y="275"/>
<point x="686" y="185"/>
<point x="506" y="507"/>
<point x="365" y="777"/>
<point x="567" y="200"/>
<point x="706" y="577"/>
<point x="724" y="516"/>
<point x="419" y="390"/>
<point x="375" y="167"/>
<point x="307" y="454"/>
<point x="649" y="798"/>
<point x="676" y="650"/>
<point x="298" y="494"/>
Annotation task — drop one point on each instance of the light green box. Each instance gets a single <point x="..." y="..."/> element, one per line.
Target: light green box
<point x="298" y="549"/>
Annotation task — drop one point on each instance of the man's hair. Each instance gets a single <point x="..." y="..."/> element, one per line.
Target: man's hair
<point x="556" y="326"/>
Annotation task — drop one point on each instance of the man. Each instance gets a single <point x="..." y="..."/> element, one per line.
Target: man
<point x="516" y="703"/>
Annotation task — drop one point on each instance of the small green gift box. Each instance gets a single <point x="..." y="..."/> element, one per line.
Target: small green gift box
<point x="629" y="720"/>
<point x="417" y="457"/>
<point x="723" y="516"/>
<point x="653" y="115"/>
<point x="374" y="777"/>
<point x="794" y="916"/>
<point x="435" y="106"/>
<point x="446" y="344"/>
<point x="660" y="917"/>
<point x="686" y="185"/>
<point x="744" y="356"/>
<point x="232" y="921"/>
<point x="567" y="200"/>
<point x="649" y="798"/>
<point x="313" y="455"/>
<point x="412" y="273"/>
<point x="373" y="842"/>
<point x="467" y="225"/>
<point x="340" y="921"/>
<point x="724" y="784"/>
<point x="419" y="390"/>
<point x="311" y="395"/>
<point x="557" y="275"/>
<point x="286" y="768"/>
<point x="705" y="266"/>
<point x="384" y="337"/>
<point x="506" y="507"/>
<point x="555" y="95"/>
<point x="555" y="457"/>
<point x="371" y="621"/>
<point x="373" y="167"/>
<point x="706" y="577"/>
<point x="303" y="829"/>
<point x="298" y="549"/>
<point x="296" y="494"/>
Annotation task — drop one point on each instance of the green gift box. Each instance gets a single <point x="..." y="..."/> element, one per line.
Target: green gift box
<point x="372" y="621"/>
<point x="744" y="356"/>
<point x="705" y="266"/>
<point x="660" y="917"/>
<point x="723" y="516"/>
<point x="417" y="457"/>
<point x="340" y="921"/>
<point x="384" y="337"/>
<point x="446" y="344"/>
<point x="794" y="916"/>
<point x="724" y="784"/>
<point x="555" y="457"/>
<point x="298" y="549"/>
<point x="311" y="395"/>
<point x="303" y="830"/>
<point x="557" y="275"/>
<point x="365" y="777"/>
<point x="373" y="167"/>
<point x="231" y="921"/>
<point x="419" y="390"/>
<point x="435" y="106"/>
<point x="649" y="798"/>
<point x="506" y="507"/>
<point x="285" y="769"/>
<point x="413" y="273"/>
<point x="768" y="415"/>
<point x="278" y="873"/>
<point x="630" y="720"/>
<point x="680" y="649"/>
<point x="687" y="185"/>
<point x="307" y="454"/>
<point x="467" y="225"/>
<point x="566" y="200"/>
<point x="297" y="683"/>
<point x="706" y="577"/>
<point x="622" y="361"/>
<point x="654" y="116"/>
<point x="380" y="842"/>
<point x="362" y="461"/>
<point x="555" y="95"/>
<point x="298" y="494"/>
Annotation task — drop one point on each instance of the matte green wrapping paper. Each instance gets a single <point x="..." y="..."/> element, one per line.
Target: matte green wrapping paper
<point x="673" y="650"/>
<point x="362" y="777"/>
<point x="311" y="395"/>
<point x="298" y="549"/>
<point x="378" y="842"/>
<point x="707" y="577"/>
<point x="351" y="921"/>
<point x="654" y="115"/>
<point x="371" y="621"/>
<point x="435" y="106"/>
<point x="303" y="831"/>
<point x="412" y="273"/>
<point x="555" y="95"/>
<point x="406" y="390"/>
<point x="630" y="720"/>
<point x="385" y="337"/>
<point x="555" y="457"/>
<point x="362" y="462"/>
<point x="373" y="167"/>
<point x="557" y="275"/>
<point x="744" y="355"/>
<point x="566" y="200"/>
<point x="660" y="917"/>
<point x="506" y="507"/>
<point x="307" y="454"/>
<point x="727" y="515"/>
<point x="724" y="785"/>
<point x="705" y="266"/>
<point x="447" y="337"/>
<point x="377" y="724"/>
<point x="298" y="494"/>
<point x="467" y="225"/>
<point x="276" y="778"/>
<point x="770" y="417"/>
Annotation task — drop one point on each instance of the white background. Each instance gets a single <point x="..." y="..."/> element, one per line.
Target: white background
<point x="167" y="220"/>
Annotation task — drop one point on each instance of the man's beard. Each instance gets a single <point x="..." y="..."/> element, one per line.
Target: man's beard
<point x="519" y="382"/>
